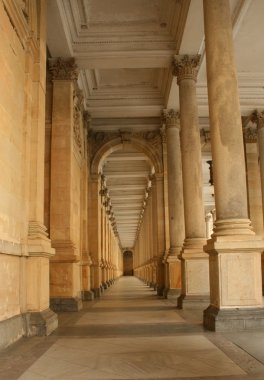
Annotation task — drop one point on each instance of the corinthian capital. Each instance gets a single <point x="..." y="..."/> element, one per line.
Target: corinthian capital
<point x="186" y="66"/>
<point x="257" y="118"/>
<point x="171" y="118"/>
<point x="63" y="69"/>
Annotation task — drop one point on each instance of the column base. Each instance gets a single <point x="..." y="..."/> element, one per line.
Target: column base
<point x="221" y="320"/>
<point x="66" y="303"/>
<point x="198" y="302"/>
<point x="159" y="290"/>
<point x="105" y="285"/>
<point x="172" y="293"/>
<point x="97" y="292"/>
<point x="87" y="295"/>
<point x="29" y="324"/>
<point x="41" y="323"/>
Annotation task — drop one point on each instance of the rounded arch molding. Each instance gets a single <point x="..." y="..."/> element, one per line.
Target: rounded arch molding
<point x="143" y="146"/>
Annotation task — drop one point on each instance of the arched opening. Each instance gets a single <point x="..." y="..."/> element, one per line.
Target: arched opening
<point x="128" y="263"/>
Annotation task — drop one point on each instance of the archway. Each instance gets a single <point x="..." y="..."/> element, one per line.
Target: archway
<point x="128" y="263"/>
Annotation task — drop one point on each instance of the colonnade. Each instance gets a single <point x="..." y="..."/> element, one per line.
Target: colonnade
<point x="228" y="266"/>
<point x="88" y="257"/>
<point x="59" y="242"/>
<point x="150" y="243"/>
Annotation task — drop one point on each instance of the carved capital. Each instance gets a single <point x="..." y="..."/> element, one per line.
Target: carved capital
<point x="250" y="134"/>
<point x="63" y="69"/>
<point x="186" y="66"/>
<point x="257" y="118"/>
<point x="171" y="118"/>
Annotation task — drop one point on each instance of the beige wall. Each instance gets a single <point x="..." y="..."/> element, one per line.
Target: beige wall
<point x="24" y="246"/>
<point x="13" y="220"/>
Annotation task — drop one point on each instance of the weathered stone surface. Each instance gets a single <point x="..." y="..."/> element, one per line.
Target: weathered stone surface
<point x="65" y="304"/>
<point x="233" y="319"/>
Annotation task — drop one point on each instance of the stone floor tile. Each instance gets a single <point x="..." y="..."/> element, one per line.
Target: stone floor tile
<point x="132" y="334"/>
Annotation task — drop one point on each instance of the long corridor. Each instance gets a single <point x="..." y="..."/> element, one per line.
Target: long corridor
<point x="131" y="334"/>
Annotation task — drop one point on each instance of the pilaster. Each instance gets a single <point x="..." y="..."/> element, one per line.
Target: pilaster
<point x="65" y="184"/>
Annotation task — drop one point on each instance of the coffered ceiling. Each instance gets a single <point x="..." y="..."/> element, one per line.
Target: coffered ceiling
<point x="124" y="49"/>
<point x="127" y="190"/>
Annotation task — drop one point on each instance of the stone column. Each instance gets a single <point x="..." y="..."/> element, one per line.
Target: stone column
<point x="258" y="119"/>
<point x="95" y="234"/>
<point x="195" y="285"/>
<point x="175" y="202"/>
<point x="158" y="216"/>
<point x="255" y="175"/>
<point x="166" y="206"/>
<point x="235" y="251"/>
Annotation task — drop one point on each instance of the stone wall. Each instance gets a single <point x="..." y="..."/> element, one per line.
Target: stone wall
<point x="24" y="246"/>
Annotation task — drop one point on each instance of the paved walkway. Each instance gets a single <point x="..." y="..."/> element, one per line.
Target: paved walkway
<point x="131" y="334"/>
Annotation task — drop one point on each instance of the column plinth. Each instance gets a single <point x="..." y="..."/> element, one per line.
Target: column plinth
<point x="195" y="284"/>
<point x="234" y="250"/>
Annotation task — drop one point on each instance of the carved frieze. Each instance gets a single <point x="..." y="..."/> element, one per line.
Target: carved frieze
<point x="63" y="69"/>
<point x="186" y="66"/>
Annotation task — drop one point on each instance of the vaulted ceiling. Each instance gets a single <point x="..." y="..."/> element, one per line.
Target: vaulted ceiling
<point x="124" y="49"/>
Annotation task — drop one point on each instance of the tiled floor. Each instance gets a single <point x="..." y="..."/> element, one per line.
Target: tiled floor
<point x="132" y="334"/>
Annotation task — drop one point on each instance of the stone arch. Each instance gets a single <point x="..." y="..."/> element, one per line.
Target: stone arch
<point x="128" y="266"/>
<point x="117" y="144"/>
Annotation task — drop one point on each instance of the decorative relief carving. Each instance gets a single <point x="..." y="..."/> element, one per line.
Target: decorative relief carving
<point x="205" y="135"/>
<point x="86" y="120"/>
<point x="186" y="66"/>
<point x="63" y="69"/>
<point x="250" y="134"/>
<point x="257" y="118"/>
<point x="98" y="139"/>
<point x="163" y="134"/>
<point x="251" y="124"/>
<point x="77" y="123"/>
